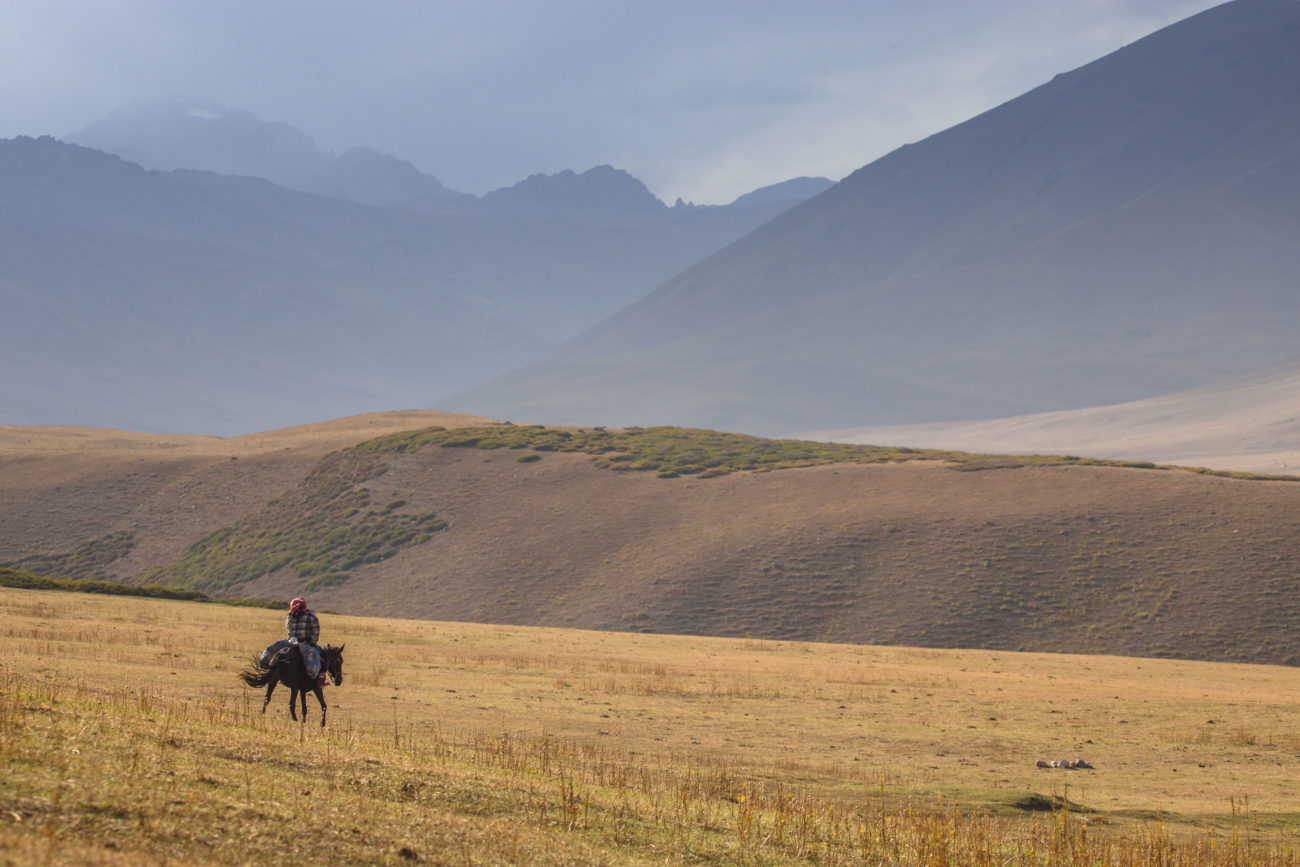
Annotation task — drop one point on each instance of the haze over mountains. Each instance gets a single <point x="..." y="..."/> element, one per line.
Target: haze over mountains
<point x="1123" y="231"/>
<point x="178" y="133"/>
<point x="189" y="301"/>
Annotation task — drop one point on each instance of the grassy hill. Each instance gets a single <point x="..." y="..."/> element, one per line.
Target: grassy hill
<point x="125" y="738"/>
<point x="672" y="531"/>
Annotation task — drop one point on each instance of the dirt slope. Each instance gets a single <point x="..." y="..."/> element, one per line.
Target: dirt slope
<point x="1044" y="558"/>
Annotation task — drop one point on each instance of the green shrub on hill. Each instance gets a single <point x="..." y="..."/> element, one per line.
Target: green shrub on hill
<point x="666" y="451"/>
<point x="27" y="581"/>
<point x="86" y="562"/>
<point x="671" y="452"/>
<point x="321" y="529"/>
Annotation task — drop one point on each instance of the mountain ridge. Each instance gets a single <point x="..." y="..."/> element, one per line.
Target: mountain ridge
<point x="178" y="133"/>
<point x="1119" y="232"/>
<point x="599" y="188"/>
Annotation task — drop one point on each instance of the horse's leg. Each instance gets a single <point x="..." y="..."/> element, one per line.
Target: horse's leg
<point x="270" y="688"/>
<point x="303" y="695"/>
<point x="293" y="699"/>
<point x="320" y="697"/>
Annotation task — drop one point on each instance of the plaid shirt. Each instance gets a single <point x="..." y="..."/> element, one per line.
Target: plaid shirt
<point x="302" y="627"/>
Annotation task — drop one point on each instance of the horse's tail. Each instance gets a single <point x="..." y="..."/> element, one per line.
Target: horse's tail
<point x="254" y="675"/>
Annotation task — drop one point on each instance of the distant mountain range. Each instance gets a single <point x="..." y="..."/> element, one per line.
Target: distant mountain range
<point x="178" y="133"/>
<point x="188" y="301"/>
<point x="1123" y="231"/>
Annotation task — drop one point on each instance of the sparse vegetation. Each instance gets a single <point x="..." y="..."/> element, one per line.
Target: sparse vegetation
<point x="85" y="562"/>
<point x="25" y="581"/>
<point x="668" y="451"/>
<point x="674" y="451"/>
<point x="321" y="529"/>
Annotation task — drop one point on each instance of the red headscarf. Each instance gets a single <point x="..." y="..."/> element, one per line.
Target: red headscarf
<point x="298" y="604"/>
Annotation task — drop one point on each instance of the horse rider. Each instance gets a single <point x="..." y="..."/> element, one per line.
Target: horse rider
<point x="303" y="630"/>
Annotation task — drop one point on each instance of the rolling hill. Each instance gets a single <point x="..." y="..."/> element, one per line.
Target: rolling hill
<point x="1123" y="231"/>
<point x="672" y="531"/>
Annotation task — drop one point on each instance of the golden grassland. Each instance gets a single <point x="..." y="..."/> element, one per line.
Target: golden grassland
<point x="125" y="738"/>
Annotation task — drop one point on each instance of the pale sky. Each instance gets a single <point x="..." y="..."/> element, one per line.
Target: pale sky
<point x="703" y="99"/>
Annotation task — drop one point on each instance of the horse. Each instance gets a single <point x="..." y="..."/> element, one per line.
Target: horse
<point x="287" y="667"/>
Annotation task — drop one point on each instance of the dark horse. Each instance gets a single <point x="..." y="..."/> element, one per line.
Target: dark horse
<point x="287" y="667"/>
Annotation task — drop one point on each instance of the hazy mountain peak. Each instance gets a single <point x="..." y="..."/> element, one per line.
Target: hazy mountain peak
<point x="600" y="188"/>
<point x="182" y="133"/>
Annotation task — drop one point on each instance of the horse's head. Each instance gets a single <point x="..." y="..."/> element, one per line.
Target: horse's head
<point x="334" y="667"/>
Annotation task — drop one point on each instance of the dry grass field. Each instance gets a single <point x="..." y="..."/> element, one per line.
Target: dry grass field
<point x="125" y="739"/>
